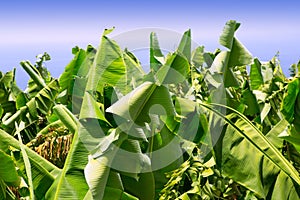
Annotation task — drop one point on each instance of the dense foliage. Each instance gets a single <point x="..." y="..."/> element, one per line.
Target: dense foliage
<point x="199" y="125"/>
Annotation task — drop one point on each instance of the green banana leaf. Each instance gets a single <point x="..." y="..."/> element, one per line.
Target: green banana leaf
<point x="175" y="70"/>
<point x="185" y="45"/>
<point x="42" y="102"/>
<point x="177" y="65"/>
<point x="250" y="159"/>
<point x="156" y="56"/>
<point x="198" y="57"/>
<point x="75" y="68"/>
<point x="256" y="78"/>
<point x="290" y="106"/>
<point x="137" y="105"/>
<point x="237" y="55"/>
<point x="8" y="174"/>
<point x="73" y="80"/>
<point x="110" y="68"/>
<point x="25" y="160"/>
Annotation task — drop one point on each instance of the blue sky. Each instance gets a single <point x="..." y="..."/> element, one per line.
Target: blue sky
<point x="28" y="28"/>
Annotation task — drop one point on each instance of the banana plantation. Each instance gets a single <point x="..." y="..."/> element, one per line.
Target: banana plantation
<point x="198" y="125"/>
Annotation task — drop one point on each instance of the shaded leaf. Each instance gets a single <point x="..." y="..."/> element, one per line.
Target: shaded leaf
<point x="8" y="172"/>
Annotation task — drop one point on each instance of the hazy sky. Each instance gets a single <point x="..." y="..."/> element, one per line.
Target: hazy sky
<point x="28" y="28"/>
